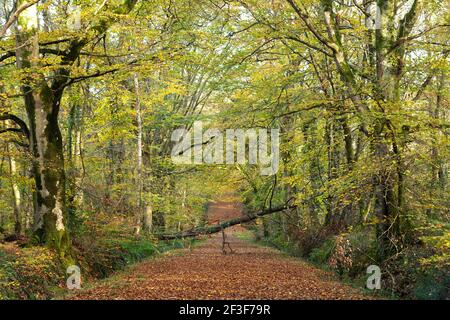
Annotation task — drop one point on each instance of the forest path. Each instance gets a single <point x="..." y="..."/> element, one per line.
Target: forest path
<point x="252" y="272"/>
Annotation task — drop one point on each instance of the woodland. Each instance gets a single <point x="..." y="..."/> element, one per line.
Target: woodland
<point x="92" y="90"/>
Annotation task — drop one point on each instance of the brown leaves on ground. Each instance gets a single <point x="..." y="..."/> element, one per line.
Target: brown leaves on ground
<point x="252" y="272"/>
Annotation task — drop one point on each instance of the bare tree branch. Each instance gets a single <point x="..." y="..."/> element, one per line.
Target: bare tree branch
<point x="23" y="126"/>
<point x="15" y="16"/>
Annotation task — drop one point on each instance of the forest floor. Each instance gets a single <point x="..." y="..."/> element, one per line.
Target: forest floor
<point x="204" y="272"/>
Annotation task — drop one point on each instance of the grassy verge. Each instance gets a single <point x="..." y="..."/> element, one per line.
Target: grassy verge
<point x="36" y="273"/>
<point x="356" y="283"/>
<point x="134" y="251"/>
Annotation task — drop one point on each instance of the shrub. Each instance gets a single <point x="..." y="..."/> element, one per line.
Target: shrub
<point x="432" y="284"/>
<point x="341" y="257"/>
<point x="29" y="273"/>
<point x="321" y="254"/>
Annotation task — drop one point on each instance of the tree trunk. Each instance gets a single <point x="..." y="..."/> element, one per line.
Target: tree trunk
<point x="439" y="113"/>
<point x="147" y="222"/>
<point x="15" y="193"/>
<point x="141" y="213"/>
<point x="388" y="221"/>
<point x="42" y="106"/>
<point x="331" y="168"/>
<point x="75" y="172"/>
<point x="48" y="167"/>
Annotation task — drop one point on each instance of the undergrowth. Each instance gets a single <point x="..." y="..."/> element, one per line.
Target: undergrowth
<point x="36" y="272"/>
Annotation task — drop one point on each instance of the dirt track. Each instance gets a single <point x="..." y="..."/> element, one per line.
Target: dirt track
<point x="252" y="272"/>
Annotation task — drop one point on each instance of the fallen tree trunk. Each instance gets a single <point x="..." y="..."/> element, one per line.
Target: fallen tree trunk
<point x="226" y="224"/>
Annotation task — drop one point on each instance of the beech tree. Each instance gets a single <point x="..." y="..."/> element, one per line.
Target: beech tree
<point x="42" y="92"/>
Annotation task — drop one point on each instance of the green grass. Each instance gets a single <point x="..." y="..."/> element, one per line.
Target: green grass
<point x="356" y="283"/>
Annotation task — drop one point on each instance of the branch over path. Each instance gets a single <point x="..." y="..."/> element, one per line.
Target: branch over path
<point x="223" y="225"/>
<point x="251" y="272"/>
